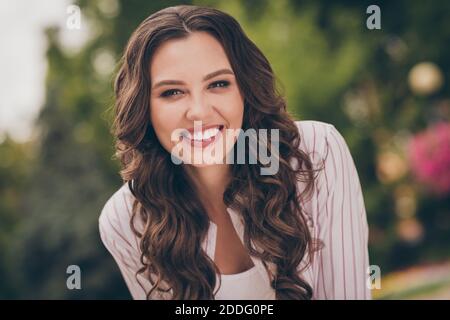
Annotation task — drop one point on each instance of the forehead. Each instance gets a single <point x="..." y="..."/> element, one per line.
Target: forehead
<point x="199" y="53"/>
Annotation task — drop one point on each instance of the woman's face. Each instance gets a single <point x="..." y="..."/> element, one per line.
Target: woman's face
<point x="194" y="88"/>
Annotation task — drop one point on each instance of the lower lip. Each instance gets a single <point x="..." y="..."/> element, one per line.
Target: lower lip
<point x="204" y="143"/>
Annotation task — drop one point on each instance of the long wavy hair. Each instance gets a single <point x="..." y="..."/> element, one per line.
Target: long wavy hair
<point x="174" y="221"/>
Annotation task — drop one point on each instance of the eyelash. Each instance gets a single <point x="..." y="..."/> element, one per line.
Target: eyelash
<point x="166" y="94"/>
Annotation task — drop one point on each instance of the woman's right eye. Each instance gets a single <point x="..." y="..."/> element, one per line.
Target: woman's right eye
<point x="168" y="93"/>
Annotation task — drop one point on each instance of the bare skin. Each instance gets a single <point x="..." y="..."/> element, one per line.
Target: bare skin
<point x="230" y="255"/>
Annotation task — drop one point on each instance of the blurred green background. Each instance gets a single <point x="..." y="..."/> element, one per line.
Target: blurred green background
<point x="382" y="89"/>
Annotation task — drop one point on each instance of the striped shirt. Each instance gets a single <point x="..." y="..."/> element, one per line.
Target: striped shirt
<point x="335" y="214"/>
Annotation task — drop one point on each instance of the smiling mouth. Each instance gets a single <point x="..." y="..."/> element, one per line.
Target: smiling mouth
<point x="202" y="138"/>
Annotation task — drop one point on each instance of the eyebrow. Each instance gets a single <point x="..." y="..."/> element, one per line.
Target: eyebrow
<point x="205" y="78"/>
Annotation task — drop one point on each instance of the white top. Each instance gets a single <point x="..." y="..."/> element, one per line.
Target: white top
<point x="247" y="285"/>
<point x="335" y="213"/>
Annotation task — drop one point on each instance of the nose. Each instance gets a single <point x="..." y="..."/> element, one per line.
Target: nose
<point x="199" y="108"/>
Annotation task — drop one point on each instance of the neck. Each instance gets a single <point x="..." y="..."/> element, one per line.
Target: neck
<point x="211" y="182"/>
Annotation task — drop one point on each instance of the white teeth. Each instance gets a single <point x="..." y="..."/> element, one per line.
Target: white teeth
<point x="210" y="133"/>
<point x="207" y="134"/>
<point x="198" y="135"/>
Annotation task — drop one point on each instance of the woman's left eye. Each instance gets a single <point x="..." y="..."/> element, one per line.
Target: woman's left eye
<point x="220" y="84"/>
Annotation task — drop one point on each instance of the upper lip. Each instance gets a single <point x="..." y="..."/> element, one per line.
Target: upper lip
<point x="204" y="128"/>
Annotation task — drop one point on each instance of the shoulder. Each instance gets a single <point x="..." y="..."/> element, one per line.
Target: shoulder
<point x="326" y="145"/>
<point x="323" y="143"/>
<point x="314" y="137"/>
<point x="118" y="207"/>
<point x="115" y="217"/>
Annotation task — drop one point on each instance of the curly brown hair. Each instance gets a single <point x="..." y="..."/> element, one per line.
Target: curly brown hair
<point x="174" y="219"/>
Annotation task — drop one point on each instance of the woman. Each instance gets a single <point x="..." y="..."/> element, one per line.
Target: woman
<point x="181" y="229"/>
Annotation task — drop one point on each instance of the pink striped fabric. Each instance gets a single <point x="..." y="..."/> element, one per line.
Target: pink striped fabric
<point x="338" y="217"/>
<point x="335" y="214"/>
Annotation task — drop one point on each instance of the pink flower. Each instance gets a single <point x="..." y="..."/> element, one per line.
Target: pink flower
<point x="429" y="154"/>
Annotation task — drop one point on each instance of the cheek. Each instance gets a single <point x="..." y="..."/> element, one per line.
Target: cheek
<point x="164" y="123"/>
<point x="235" y="114"/>
<point x="238" y="112"/>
